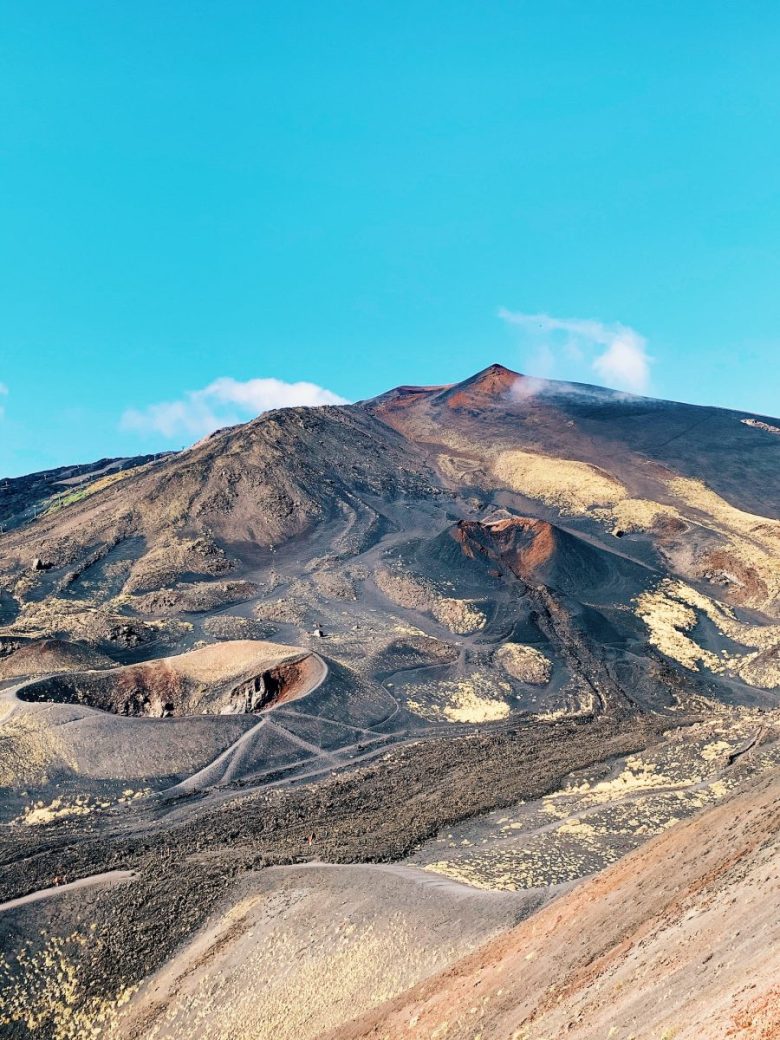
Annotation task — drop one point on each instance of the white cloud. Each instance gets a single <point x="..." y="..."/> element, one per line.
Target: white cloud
<point x="615" y="352"/>
<point x="625" y="364"/>
<point x="222" y="403"/>
<point x="3" y="393"/>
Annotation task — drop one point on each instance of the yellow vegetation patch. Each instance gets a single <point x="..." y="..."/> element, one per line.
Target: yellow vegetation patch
<point x="460" y="616"/>
<point x="695" y="493"/>
<point x="28" y="749"/>
<point x="468" y="707"/>
<point x="714" y="750"/>
<point x="577" y="828"/>
<point x="753" y="542"/>
<point x="68" y="498"/>
<point x="670" y="613"/>
<point x="591" y="821"/>
<point x="525" y="663"/>
<point x="578" y="703"/>
<point x="669" y="620"/>
<point x="638" y="514"/>
<point x="571" y="487"/>
<point x="78" y="620"/>
<point x="748" y="553"/>
<point x="40" y="813"/>
<point x="759" y="636"/>
<point x="762" y="670"/>
<point x="637" y="775"/>
<point x="596" y="826"/>
<point x="47" y="991"/>
<point x="470" y="700"/>
<point x="310" y="985"/>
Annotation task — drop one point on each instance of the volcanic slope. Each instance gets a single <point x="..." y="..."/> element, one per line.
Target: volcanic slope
<point x="246" y="488"/>
<point x="490" y="593"/>
<point x="24" y="498"/>
<point x="611" y="430"/>
<point x="681" y="938"/>
<point x="698" y="487"/>
<point x="467" y="553"/>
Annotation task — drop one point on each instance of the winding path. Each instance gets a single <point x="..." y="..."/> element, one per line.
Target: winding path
<point x="110" y="876"/>
<point x="225" y="765"/>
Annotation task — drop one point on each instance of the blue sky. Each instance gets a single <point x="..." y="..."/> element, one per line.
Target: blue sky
<point x="201" y="197"/>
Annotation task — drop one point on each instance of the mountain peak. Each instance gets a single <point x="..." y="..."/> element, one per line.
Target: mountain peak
<point x="493" y="378"/>
<point x="493" y="381"/>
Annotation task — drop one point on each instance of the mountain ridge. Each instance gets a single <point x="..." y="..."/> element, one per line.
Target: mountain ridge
<point x="479" y="643"/>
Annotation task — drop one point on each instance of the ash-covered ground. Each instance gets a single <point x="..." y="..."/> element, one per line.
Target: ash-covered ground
<point x="294" y="719"/>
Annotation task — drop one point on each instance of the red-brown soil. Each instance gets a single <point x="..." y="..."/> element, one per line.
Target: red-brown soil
<point x="228" y="678"/>
<point x="679" y="939"/>
<point x="523" y="544"/>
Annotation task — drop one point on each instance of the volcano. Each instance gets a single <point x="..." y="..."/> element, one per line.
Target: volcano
<point x="501" y="651"/>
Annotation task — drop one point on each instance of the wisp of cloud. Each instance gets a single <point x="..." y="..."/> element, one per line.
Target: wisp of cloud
<point x="224" y="402"/>
<point x="616" y="352"/>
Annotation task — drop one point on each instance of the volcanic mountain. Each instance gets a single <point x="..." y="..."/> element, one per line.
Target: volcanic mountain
<point x="498" y="633"/>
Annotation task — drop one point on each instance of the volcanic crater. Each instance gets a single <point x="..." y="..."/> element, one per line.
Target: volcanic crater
<point x="254" y="677"/>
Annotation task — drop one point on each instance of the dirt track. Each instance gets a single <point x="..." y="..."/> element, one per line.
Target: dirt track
<point x="107" y="877"/>
<point x="678" y="939"/>
<point x="376" y="813"/>
<point x="222" y="769"/>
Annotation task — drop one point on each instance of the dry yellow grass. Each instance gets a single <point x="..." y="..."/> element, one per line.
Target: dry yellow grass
<point x="80" y="620"/>
<point x="164" y="563"/>
<point x="669" y="620"/>
<point x="29" y="747"/>
<point x="749" y="552"/>
<point x="305" y="954"/>
<point x="752" y="541"/>
<point x="696" y="494"/>
<point x="571" y="487"/>
<point x="588" y="822"/>
<point x="85" y="491"/>
<point x="469" y="700"/>
<point x="525" y="663"/>
<point x="670" y="613"/>
<point x="637" y="514"/>
<point x="40" y="813"/>
<point x="51" y="995"/>
<point x="458" y="615"/>
<point x="762" y="671"/>
<point x="750" y="546"/>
